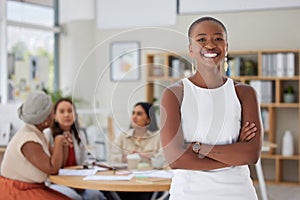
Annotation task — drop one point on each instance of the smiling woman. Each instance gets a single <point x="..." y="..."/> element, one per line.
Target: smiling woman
<point x="201" y="117"/>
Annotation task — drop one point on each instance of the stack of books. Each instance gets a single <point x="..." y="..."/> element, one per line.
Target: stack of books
<point x="264" y="90"/>
<point x="278" y="64"/>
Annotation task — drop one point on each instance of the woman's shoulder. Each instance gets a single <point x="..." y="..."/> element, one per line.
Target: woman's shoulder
<point x="153" y="133"/>
<point x="174" y="91"/>
<point x="244" y="91"/>
<point x="126" y="134"/>
<point x="47" y="131"/>
<point x="48" y="134"/>
<point x="175" y="86"/>
<point x="27" y="133"/>
<point x="243" y="87"/>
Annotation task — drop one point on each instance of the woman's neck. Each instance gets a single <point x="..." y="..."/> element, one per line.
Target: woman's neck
<point x="40" y="127"/>
<point x="140" y="131"/>
<point x="68" y="129"/>
<point x="207" y="79"/>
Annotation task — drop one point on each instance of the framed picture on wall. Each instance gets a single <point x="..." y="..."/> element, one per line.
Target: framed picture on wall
<point x="125" y="61"/>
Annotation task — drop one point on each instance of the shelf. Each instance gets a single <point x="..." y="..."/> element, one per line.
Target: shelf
<point x="286" y="105"/>
<point x="279" y="157"/>
<point x="2" y="149"/>
<point x="270" y="73"/>
<point x="244" y="78"/>
<point x="279" y="105"/>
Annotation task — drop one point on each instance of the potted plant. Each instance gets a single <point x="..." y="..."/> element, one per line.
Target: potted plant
<point x="289" y="96"/>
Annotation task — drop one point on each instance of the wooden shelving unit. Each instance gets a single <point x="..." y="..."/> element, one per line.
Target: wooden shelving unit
<point x="2" y="149"/>
<point x="260" y="66"/>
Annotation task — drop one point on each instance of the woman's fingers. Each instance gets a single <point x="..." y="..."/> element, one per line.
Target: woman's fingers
<point x="247" y="132"/>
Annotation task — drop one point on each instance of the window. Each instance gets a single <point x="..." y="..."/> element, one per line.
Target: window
<point x="30" y="49"/>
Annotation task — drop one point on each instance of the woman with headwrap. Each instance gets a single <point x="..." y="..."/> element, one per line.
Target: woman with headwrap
<point x="27" y="161"/>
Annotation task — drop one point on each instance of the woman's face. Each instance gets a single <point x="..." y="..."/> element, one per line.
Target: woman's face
<point x="139" y="117"/>
<point x="208" y="43"/>
<point x="64" y="115"/>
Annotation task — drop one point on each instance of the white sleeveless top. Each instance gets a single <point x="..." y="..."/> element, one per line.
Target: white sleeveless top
<point x="212" y="116"/>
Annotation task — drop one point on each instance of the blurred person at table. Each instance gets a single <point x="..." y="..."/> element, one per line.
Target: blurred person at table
<point x="66" y="124"/>
<point x="142" y="138"/>
<point x="27" y="161"/>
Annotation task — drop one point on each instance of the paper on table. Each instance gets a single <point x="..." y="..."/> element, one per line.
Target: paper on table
<point x="101" y="168"/>
<point x="108" y="178"/>
<point x="153" y="174"/>
<point x="77" y="172"/>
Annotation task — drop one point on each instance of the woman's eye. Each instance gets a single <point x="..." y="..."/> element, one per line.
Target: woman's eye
<point x="139" y="113"/>
<point x="219" y="39"/>
<point x="201" y="40"/>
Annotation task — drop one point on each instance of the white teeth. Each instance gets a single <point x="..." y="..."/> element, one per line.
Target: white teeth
<point x="210" y="55"/>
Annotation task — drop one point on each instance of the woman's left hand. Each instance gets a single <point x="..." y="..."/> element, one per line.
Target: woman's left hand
<point x="247" y="132"/>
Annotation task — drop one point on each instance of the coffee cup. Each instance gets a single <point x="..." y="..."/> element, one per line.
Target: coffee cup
<point x="157" y="162"/>
<point x="133" y="161"/>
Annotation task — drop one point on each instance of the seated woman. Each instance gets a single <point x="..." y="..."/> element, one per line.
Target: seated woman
<point x="142" y="138"/>
<point x="27" y="161"/>
<point x="66" y="124"/>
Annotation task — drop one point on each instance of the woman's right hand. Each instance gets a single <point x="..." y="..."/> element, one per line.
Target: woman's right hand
<point x="247" y="132"/>
<point x="68" y="137"/>
<point x="61" y="139"/>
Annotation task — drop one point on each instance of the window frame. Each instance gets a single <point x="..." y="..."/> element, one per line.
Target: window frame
<point x="4" y="23"/>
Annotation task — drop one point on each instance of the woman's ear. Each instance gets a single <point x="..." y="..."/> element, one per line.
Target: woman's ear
<point x="226" y="48"/>
<point x="190" y="49"/>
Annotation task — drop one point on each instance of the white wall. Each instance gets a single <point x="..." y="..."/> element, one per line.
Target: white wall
<point x="277" y="29"/>
<point x="76" y="42"/>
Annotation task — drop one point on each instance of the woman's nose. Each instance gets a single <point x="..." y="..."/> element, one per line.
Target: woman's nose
<point x="210" y="44"/>
<point x="133" y="116"/>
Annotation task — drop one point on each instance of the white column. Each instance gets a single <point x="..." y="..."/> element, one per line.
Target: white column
<point x="3" y="53"/>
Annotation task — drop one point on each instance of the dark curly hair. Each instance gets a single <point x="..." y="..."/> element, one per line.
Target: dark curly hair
<point x="55" y="128"/>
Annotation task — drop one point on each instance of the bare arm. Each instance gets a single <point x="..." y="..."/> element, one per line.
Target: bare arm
<point x="50" y="165"/>
<point x="176" y="153"/>
<point x="240" y="153"/>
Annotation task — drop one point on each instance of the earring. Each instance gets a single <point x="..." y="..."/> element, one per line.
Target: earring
<point x="193" y="67"/>
<point x="225" y="63"/>
<point x="46" y="124"/>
